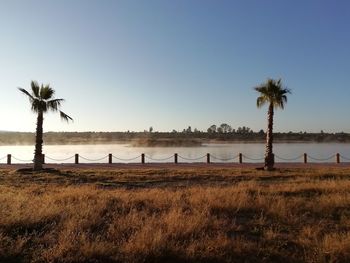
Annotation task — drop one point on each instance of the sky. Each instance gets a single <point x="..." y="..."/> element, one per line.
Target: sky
<point x="131" y="64"/>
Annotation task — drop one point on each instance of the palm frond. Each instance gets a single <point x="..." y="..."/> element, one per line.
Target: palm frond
<point x="262" y="89"/>
<point x="272" y="91"/>
<point x="65" y="116"/>
<point x="261" y="101"/>
<point x="46" y="92"/>
<point x="36" y="105"/>
<point x="31" y="98"/>
<point x="35" y="89"/>
<point x="41" y="100"/>
<point x="55" y="104"/>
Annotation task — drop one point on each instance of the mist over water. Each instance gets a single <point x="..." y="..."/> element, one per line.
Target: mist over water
<point x="228" y="152"/>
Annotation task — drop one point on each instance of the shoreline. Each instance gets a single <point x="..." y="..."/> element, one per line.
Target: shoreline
<point x="203" y="144"/>
<point x="173" y="166"/>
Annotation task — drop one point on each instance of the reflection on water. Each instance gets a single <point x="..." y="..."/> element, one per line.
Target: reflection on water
<point x="124" y="153"/>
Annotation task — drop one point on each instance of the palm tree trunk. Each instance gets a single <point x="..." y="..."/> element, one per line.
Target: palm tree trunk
<point x="38" y="156"/>
<point x="269" y="157"/>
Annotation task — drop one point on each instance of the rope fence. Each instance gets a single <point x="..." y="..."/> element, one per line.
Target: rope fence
<point x="126" y="160"/>
<point x="321" y="159"/>
<point x="224" y="159"/>
<point x="22" y="160"/>
<point x="253" y="159"/>
<point x="159" y="159"/>
<point x="192" y="159"/>
<point x="240" y="158"/>
<point x="59" y="160"/>
<point x="345" y="158"/>
<point x="93" y="160"/>
<point x="289" y="159"/>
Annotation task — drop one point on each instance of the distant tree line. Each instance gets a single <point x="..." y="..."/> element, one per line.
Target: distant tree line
<point x="243" y="134"/>
<point x="226" y="128"/>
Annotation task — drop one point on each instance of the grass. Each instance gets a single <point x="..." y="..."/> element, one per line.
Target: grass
<point x="175" y="215"/>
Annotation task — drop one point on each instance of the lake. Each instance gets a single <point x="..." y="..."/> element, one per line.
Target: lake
<point x="227" y="152"/>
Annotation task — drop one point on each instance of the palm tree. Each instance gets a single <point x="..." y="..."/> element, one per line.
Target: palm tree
<point x="42" y="100"/>
<point x="273" y="93"/>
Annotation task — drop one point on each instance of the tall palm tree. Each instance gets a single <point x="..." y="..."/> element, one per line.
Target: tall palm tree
<point x="273" y="93"/>
<point x="42" y="100"/>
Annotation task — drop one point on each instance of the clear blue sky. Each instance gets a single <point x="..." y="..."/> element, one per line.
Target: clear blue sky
<point x="129" y="65"/>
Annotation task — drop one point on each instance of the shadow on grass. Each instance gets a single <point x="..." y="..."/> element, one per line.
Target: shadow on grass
<point x="155" y="178"/>
<point x="138" y="179"/>
<point x="13" y="259"/>
<point x="125" y="179"/>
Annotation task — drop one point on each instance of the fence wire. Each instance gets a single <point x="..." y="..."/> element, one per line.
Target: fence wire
<point x="192" y="159"/>
<point x="345" y="158"/>
<point x="59" y="160"/>
<point x="289" y="159"/>
<point x="93" y="160"/>
<point x="224" y="159"/>
<point x="321" y="159"/>
<point x="21" y="160"/>
<point x="253" y="159"/>
<point x="126" y="159"/>
<point x="159" y="159"/>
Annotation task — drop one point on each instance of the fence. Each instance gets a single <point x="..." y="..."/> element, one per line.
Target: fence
<point x="240" y="158"/>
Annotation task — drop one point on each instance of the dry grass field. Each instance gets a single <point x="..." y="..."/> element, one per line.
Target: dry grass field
<point x="175" y="215"/>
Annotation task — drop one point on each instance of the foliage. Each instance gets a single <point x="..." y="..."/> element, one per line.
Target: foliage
<point x="272" y="92"/>
<point x="27" y="138"/>
<point x="42" y="100"/>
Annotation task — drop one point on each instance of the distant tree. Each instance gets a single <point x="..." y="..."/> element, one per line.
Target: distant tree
<point x="150" y="129"/>
<point x="42" y="100"/>
<point x="243" y="130"/>
<point x="219" y="130"/>
<point x="274" y="94"/>
<point x="189" y="129"/>
<point x="212" y="129"/>
<point x="225" y="128"/>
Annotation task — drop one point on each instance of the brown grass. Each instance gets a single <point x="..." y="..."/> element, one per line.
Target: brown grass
<point x="175" y="215"/>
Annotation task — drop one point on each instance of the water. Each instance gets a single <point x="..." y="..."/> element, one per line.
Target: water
<point x="124" y="153"/>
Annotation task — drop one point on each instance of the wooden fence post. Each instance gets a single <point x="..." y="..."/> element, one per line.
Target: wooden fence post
<point x="338" y="158"/>
<point x="208" y="157"/>
<point x="240" y="158"/>
<point x="76" y="158"/>
<point x="143" y="158"/>
<point x="175" y="157"/>
<point x="43" y="158"/>
<point x="110" y="158"/>
<point x="9" y="159"/>
<point x="305" y="158"/>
